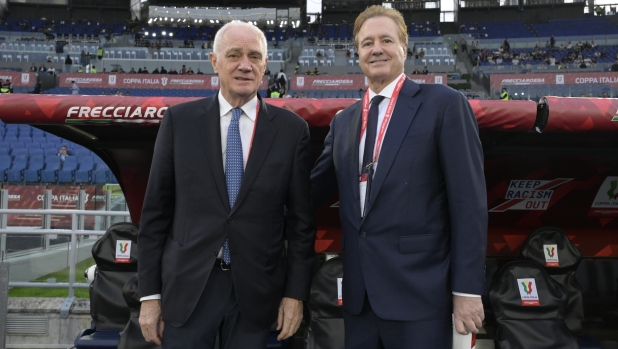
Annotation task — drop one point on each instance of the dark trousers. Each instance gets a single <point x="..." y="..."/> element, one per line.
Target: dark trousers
<point x="216" y="313"/>
<point x="368" y="331"/>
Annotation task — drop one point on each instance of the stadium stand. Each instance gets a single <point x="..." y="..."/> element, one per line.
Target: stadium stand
<point x="28" y="155"/>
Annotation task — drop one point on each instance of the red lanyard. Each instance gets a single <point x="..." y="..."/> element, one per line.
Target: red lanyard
<point x="257" y="113"/>
<point x="387" y="116"/>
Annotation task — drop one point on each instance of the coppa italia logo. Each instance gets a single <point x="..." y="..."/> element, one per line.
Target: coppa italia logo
<point x="528" y="293"/>
<point x="123" y="251"/>
<point x="530" y="195"/>
<point x="551" y="256"/>
<point x="605" y="203"/>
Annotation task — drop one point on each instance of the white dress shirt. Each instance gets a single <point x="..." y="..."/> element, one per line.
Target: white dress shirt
<point x="246" y="124"/>
<point x="387" y="92"/>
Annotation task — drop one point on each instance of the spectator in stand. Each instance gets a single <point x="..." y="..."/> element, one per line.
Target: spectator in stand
<point x="183" y="71"/>
<point x="569" y="45"/>
<point x="464" y="45"/>
<point x="163" y="71"/>
<point x="318" y="54"/>
<point x="132" y="71"/>
<point x="604" y="95"/>
<point x="115" y="70"/>
<point x="552" y="42"/>
<point x="42" y="68"/>
<point x="173" y="71"/>
<point x="506" y="45"/>
<point x="283" y="79"/>
<point x="303" y="95"/>
<point x="286" y="94"/>
<point x="267" y="72"/>
<point x="190" y="71"/>
<point x="48" y="60"/>
<point x="74" y="88"/>
<point x="33" y="68"/>
<point x="315" y="71"/>
<point x="103" y="93"/>
<point x="422" y="53"/>
<point x="295" y="95"/>
<point x="156" y="71"/>
<point x="583" y="65"/>
<point x="104" y="71"/>
<point x="499" y="60"/>
<point x="145" y="70"/>
<point x="37" y="88"/>
<point x="127" y="94"/>
<point x="615" y="66"/>
<point x="63" y="153"/>
<point x="425" y="71"/>
<point x="199" y="72"/>
<point x="416" y="72"/>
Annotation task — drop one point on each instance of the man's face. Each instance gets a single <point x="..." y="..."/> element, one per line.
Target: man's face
<point x="63" y="150"/>
<point x="381" y="54"/>
<point x="240" y="63"/>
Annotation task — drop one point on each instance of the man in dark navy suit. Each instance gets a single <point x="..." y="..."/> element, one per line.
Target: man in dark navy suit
<point x="408" y="165"/>
<point x="217" y="255"/>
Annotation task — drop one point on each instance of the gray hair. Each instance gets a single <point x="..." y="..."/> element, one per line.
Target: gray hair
<point x="216" y="48"/>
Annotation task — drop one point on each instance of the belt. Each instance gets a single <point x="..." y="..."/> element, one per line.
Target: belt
<point x="219" y="263"/>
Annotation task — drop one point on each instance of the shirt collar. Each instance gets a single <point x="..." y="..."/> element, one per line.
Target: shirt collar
<point x="386" y="91"/>
<point x="249" y="108"/>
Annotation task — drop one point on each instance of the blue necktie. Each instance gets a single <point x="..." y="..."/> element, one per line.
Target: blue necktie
<point x="234" y="169"/>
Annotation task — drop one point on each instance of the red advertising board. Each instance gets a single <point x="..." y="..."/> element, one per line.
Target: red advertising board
<point x="605" y="78"/>
<point x="63" y="198"/>
<point x="17" y="78"/>
<point x="350" y="81"/>
<point x="168" y="81"/>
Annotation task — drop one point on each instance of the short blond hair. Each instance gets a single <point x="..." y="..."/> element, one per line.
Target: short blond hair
<point x="381" y="11"/>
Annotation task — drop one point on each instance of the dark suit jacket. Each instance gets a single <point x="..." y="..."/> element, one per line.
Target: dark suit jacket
<point x="186" y="214"/>
<point x="424" y="232"/>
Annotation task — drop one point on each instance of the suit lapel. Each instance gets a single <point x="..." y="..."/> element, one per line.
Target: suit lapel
<point x="352" y="153"/>
<point x="265" y="132"/>
<point x="405" y="111"/>
<point x="210" y="130"/>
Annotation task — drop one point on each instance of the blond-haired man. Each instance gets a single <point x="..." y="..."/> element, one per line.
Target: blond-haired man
<point x="408" y="165"/>
<point x="213" y="258"/>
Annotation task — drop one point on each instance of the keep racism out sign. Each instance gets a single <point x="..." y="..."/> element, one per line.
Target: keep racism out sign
<point x="605" y="78"/>
<point x="157" y="81"/>
<point x="350" y="82"/>
<point x="17" y="78"/>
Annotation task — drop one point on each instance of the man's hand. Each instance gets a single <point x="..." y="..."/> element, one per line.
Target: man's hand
<point x="469" y="314"/>
<point x="290" y="316"/>
<point x="151" y="322"/>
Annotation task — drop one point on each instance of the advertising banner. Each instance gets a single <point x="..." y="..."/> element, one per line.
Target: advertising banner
<point x="63" y="198"/>
<point x="605" y="78"/>
<point x="123" y="81"/>
<point x="350" y="81"/>
<point x="18" y="78"/>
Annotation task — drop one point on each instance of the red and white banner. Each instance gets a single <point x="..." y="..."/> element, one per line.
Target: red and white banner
<point x="63" y="198"/>
<point x="605" y="78"/>
<point x="351" y="82"/>
<point x="17" y="78"/>
<point x="168" y="81"/>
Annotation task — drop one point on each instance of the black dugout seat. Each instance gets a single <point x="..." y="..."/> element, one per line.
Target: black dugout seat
<point x="529" y="308"/>
<point x="551" y="248"/>
<point x="115" y="255"/>
<point x="326" y="329"/>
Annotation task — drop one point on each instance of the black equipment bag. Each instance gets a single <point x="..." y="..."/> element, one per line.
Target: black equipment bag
<point x="131" y="336"/>
<point x="529" y="308"/>
<point x="551" y="248"/>
<point x="116" y="257"/>
<point x="326" y="315"/>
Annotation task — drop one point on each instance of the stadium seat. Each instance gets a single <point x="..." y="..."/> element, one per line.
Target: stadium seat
<point x="83" y="174"/>
<point x="31" y="174"/>
<point x="52" y="166"/>
<point x="35" y="151"/>
<point x="19" y="151"/>
<point x="15" y="174"/>
<point x="68" y="170"/>
<point x="5" y="164"/>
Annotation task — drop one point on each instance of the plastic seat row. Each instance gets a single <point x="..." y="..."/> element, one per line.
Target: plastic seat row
<point x="52" y="169"/>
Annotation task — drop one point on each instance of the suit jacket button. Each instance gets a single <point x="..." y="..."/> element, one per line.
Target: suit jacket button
<point x="230" y="221"/>
<point x="215" y="253"/>
<point x="363" y="234"/>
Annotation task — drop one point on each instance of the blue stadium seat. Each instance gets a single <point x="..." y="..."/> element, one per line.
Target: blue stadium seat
<point x="15" y="173"/>
<point x="50" y="152"/>
<point x="52" y="166"/>
<point x="37" y="162"/>
<point x="39" y="139"/>
<point x="33" y="146"/>
<point x="83" y="174"/>
<point x="19" y="151"/>
<point x="68" y="170"/>
<point x="81" y="152"/>
<point x="100" y="176"/>
<point x="5" y="164"/>
<point x="35" y="151"/>
<point x="4" y="151"/>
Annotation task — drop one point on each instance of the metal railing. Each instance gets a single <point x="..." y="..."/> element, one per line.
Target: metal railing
<point x="73" y="233"/>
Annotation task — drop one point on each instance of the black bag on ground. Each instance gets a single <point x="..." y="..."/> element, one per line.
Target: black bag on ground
<point x="131" y="336"/>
